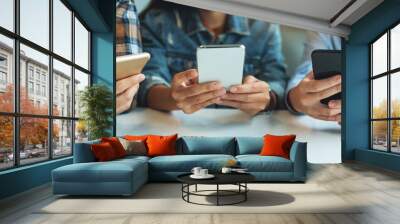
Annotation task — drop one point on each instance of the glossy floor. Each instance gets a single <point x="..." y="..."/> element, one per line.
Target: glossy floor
<point x="377" y="188"/>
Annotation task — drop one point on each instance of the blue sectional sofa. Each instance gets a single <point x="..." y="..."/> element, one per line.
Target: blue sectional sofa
<point x="125" y="176"/>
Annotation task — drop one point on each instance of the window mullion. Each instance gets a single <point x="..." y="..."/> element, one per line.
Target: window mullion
<point x="389" y="104"/>
<point x="50" y="81"/>
<point x="16" y="69"/>
<point x="73" y="82"/>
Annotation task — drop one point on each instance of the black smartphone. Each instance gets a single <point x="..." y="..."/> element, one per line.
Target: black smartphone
<point x="325" y="64"/>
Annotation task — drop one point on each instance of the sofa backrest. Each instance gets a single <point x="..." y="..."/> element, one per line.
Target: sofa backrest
<point x="83" y="152"/>
<point x="195" y="145"/>
<point x="249" y="145"/>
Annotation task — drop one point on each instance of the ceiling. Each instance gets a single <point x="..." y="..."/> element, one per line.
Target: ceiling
<point x="328" y="16"/>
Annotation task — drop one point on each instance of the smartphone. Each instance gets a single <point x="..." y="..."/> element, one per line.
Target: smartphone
<point x="223" y="63"/>
<point x="129" y="65"/>
<point x="325" y="64"/>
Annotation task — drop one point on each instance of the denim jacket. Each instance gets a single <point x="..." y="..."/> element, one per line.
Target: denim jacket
<point x="172" y="37"/>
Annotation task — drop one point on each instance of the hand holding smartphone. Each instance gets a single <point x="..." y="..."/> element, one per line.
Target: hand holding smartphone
<point x="129" y="65"/>
<point x="327" y="63"/>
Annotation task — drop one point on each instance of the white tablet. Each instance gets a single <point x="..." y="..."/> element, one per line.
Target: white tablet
<point x="223" y="63"/>
<point x="128" y="65"/>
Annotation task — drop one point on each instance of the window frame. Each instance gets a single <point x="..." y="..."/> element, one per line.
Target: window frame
<point x="16" y="115"/>
<point x="388" y="74"/>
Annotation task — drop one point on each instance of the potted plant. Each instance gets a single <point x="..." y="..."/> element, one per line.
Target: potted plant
<point x="96" y="110"/>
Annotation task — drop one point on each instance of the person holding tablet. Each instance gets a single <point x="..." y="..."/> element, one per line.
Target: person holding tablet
<point x="304" y="92"/>
<point x="127" y="42"/>
<point x="171" y="34"/>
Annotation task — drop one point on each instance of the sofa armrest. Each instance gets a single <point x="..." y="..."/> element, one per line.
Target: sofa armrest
<point x="298" y="155"/>
<point x="83" y="152"/>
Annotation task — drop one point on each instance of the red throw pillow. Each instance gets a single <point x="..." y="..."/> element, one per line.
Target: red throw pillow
<point x="103" y="152"/>
<point x="161" y="145"/>
<point x="277" y="145"/>
<point x="116" y="145"/>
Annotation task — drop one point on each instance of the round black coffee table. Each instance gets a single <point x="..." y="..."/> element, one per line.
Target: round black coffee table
<point x="238" y="179"/>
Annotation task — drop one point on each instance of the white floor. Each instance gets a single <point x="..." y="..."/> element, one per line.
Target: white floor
<point x="323" y="138"/>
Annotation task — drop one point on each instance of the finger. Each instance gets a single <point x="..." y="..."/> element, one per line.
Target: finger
<point x="336" y="118"/>
<point x="241" y="105"/>
<point x="199" y="99"/>
<point x="335" y="104"/>
<point x="197" y="89"/>
<point x="125" y="99"/>
<point x="255" y="87"/>
<point x="250" y="79"/>
<point x="182" y="79"/>
<point x="324" y="111"/>
<point x="339" y="118"/>
<point x="323" y="84"/>
<point x="244" y="97"/>
<point x="199" y="106"/>
<point x="310" y="75"/>
<point x="128" y="82"/>
<point x="128" y="94"/>
<point x="328" y="92"/>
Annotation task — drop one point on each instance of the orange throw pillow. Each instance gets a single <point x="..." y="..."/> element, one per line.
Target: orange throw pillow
<point x="116" y="145"/>
<point x="277" y="145"/>
<point x="136" y="137"/>
<point x="103" y="152"/>
<point x="161" y="145"/>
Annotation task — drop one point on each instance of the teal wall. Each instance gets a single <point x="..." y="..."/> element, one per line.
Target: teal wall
<point x="24" y="178"/>
<point x="356" y="102"/>
<point x="99" y="16"/>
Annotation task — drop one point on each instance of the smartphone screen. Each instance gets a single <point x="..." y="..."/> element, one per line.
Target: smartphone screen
<point x="327" y="63"/>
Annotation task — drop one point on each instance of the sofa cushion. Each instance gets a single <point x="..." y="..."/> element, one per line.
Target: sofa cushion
<point x="277" y="145"/>
<point x="159" y="145"/>
<point x="249" y="145"/>
<point x="116" y="145"/>
<point x="192" y="145"/>
<point x="133" y="147"/>
<point x="257" y="163"/>
<point x="103" y="152"/>
<point x="185" y="163"/>
<point x="112" y="171"/>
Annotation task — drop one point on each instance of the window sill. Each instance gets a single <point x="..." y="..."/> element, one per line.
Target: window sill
<point x="30" y="166"/>
<point x="382" y="159"/>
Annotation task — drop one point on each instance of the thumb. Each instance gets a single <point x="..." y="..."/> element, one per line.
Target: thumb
<point x="250" y="79"/>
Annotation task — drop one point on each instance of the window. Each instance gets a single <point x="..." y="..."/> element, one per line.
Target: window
<point x="30" y="88"/>
<point x="385" y="95"/>
<point x="3" y="61"/>
<point x="40" y="129"/>
<point x="38" y="74"/>
<point x="37" y="90"/>
<point x="6" y="89"/>
<point x="44" y="91"/>
<point x="7" y="14"/>
<point x="3" y="72"/>
<point x="30" y="72"/>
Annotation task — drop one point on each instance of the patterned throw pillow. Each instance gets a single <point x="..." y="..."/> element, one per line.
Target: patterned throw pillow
<point x="134" y="147"/>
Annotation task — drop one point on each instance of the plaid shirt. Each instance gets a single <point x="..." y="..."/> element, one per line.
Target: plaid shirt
<point x="128" y="39"/>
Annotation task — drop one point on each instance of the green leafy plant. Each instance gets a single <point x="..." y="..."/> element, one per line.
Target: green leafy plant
<point x="96" y="104"/>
